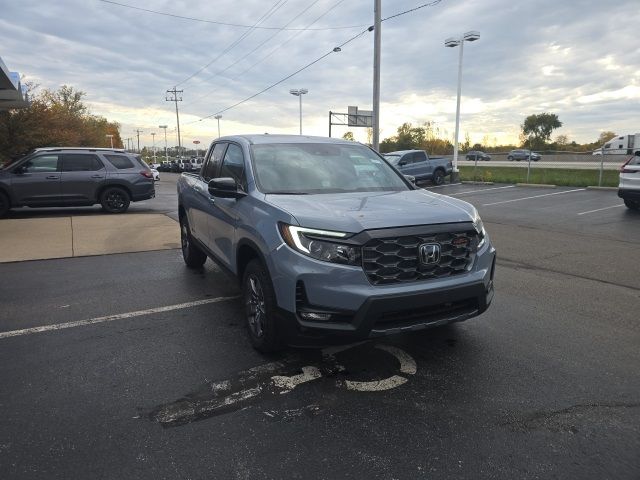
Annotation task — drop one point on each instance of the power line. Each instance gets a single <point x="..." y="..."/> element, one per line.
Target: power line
<point x="335" y="50"/>
<point x="275" y="7"/>
<point x="215" y="22"/>
<point x="252" y="51"/>
<point x="263" y="58"/>
<point x="310" y="64"/>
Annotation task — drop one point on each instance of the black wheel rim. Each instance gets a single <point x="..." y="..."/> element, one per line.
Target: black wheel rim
<point x="439" y="178"/>
<point x="255" y="306"/>
<point x="115" y="200"/>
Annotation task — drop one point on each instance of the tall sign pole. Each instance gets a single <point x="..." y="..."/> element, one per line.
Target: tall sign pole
<point x="376" y="73"/>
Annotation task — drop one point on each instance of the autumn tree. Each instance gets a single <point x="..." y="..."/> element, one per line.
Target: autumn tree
<point x="54" y="119"/>
<point x="605" y="137"/>
<point x="537" y="129"/>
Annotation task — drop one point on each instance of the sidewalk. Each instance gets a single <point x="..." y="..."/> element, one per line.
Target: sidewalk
<point x="77" y="236"/>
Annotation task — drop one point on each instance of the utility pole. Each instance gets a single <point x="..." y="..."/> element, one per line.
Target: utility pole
<point x="166" y="155"/>
<point x="218" y="117"/>
<point x="138" y="132"/>
<point x="176" y="96"/>
<point x="376" y="72"/>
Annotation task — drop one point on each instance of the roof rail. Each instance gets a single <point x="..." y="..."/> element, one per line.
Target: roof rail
<point x="91" y="149"/>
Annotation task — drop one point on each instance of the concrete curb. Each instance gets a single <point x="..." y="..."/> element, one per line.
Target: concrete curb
<point x="470" y="182"/>
<point x="535" y="185"/>
<point x="593" y="187"/>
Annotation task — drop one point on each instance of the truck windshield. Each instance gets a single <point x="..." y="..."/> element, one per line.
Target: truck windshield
<point x="393" y="159"/>
<point x="306" y="168"/>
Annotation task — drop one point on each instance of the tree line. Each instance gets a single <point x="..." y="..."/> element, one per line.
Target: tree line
<point x="54" y="118"/>
<point x="535" y="134"/>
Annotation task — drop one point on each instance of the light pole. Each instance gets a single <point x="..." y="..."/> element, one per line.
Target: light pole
<point x="470" y="36"/>
<point x="166" y="155"/>
<point x="377" y="39"/>
<point x="218" y="117"/>
<point x="110" y="137"/>
<point x="298" y="93"/>
<point x="153" y="135"/>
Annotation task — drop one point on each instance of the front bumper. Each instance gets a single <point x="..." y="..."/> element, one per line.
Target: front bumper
<point x="360" y="310"/>
<point x="629" y="194"/>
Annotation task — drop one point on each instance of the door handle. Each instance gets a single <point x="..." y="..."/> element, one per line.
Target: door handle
<point x="97" y="176"/>
<point x="53" y="177"/>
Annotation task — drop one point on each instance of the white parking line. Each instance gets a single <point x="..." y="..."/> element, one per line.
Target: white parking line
<point x="600" y="209"/>
<point x="481" y="190"/>
<point x="535" y="196"/>
<point x="111" y="318"/>
<point x="445" y="185"/>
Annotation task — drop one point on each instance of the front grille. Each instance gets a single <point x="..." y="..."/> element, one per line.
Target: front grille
<point x="396" y="259"/>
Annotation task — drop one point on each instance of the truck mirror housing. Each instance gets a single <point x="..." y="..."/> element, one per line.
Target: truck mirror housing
<point x="225" y="187"/>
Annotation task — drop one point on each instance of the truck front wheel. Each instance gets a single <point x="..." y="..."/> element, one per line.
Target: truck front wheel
<point x="260" y="303"/>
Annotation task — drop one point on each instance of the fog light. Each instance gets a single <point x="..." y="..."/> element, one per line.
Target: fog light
<point x="315" y="316"/>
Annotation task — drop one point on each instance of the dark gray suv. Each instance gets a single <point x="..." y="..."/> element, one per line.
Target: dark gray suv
<point x="64" y="177"/>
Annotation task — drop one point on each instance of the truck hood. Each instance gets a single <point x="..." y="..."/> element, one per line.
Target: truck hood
<point x="355" y="212"/>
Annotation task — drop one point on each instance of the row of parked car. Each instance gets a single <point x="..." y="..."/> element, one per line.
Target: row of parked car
<point x="193" y="164"/>
<point x="517" y="155"/>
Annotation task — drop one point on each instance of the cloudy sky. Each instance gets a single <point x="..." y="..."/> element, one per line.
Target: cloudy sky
<point x="579" y="59"/>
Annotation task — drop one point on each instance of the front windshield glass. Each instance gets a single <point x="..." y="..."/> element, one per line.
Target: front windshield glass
<point x="304" y="168"/>
<point x="393" y="159"/>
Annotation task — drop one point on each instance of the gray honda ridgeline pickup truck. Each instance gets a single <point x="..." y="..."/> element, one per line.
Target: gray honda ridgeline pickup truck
<point x="330" y="241"/>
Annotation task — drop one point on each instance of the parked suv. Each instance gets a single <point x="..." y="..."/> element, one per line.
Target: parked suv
<point x="629" y="188"/>
<point x="63" y="177"/>
<point x="523" y="155"/>
<point x="328" y="240"/>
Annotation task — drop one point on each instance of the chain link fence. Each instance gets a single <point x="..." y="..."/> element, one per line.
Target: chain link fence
<point x="545" y="167"/>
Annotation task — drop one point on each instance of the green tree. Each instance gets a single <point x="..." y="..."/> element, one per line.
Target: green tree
<point x="348" y="136"/>
<point x="537" y="129"/>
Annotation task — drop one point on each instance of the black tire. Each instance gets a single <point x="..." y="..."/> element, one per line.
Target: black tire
<point x="438" y="177"/>
<point x="115" y="200"/>
<point x="632" y="204"/>
<point x="192" y="255"/>
<point x="510" y="158"/>
<point x="260" y="305"/>
<point x="5" y="205"/>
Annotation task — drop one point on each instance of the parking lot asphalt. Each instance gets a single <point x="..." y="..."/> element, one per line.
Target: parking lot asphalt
<point x="133" y="366"/>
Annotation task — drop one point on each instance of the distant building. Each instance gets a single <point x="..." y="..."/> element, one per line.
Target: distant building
<point x="12" y="93"/>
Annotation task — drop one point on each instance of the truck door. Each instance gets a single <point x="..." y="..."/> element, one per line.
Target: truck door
<point x="202" y="205"/>
<point x="37" y="181"/>
<point x="421" y="166"/>
<point x="223" y="218"/>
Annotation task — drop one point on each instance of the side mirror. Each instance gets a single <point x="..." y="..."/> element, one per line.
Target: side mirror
<point x="411" y="178"/>
<point x="19" y="170"/>
<point x="402" y="163"/>
<point x="225" y="187"/>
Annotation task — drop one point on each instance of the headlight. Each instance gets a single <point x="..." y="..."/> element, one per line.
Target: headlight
<point x="479" y="226"/>
<point x="318" y="244"/>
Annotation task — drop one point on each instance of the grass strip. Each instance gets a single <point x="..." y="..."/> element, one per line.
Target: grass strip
<point x="555" y="176"/>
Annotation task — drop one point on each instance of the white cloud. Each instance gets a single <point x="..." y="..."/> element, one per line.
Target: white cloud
<point x="571" y="58"/>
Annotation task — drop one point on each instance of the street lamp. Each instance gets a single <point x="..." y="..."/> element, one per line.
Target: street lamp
<point x="153" y="135"/>
<point x="166" y="155"/>
<point x="218" y="117"/>
<point x="298" y="93"/>
<point x="452" y="42"/>
<point x="110" y="137"/>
